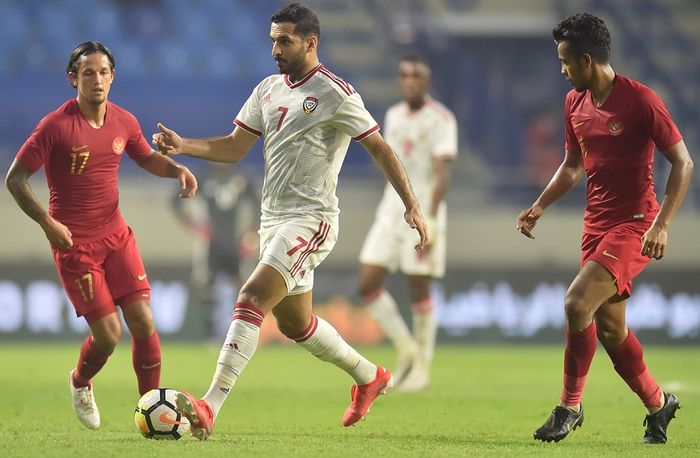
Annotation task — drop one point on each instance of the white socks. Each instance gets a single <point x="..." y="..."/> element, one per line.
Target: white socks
<point x="425" y="330"/>
<point x="383" y="309"/>
<point x="323" y="341"/>
<point x="239" y="346"/>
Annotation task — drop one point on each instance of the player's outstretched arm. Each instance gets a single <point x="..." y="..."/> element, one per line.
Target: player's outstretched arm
<point x="162" y="166"/>
<point x="567" y="175"/>
<point x="393" y="170"/>
<point x="17" y="182"/>
<point x="231" y="148"/>
<point x="655" y="239"/>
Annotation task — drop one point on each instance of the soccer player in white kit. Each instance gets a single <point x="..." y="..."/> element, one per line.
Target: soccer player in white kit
<point x="307" y="116"/>
<point x="424" y="134"/>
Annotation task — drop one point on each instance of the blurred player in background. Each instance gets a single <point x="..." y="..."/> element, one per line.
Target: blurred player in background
<point x="612" y="125"/>
<point x="80" y="146"/>
<point x="424" y="134"/>
<point x="222" y="219"/>
<point x="307" y="116"/>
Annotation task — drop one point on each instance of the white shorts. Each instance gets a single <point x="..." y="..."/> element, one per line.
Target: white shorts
<point x="391" y="244"/>
<point x="295" y="248"/>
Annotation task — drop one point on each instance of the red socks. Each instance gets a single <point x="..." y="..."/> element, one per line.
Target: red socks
<point x="629" y="363"/>
<point x="90" y="362"/>
<point x="146" y="358"/>
<point x="580" y="349"/>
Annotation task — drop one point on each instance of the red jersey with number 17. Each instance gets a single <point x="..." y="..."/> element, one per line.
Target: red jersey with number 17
<point x="616" y="142"/>
<point x="82" y="164"/>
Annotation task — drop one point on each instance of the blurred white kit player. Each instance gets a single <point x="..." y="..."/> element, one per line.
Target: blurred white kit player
<point x="423" y="132"/>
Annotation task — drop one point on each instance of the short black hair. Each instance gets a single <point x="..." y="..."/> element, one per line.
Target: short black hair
<point x="305" y="21"/>
<point x="586" y="34"/>
<point x="414" y="59"/>
<point x="85" y="49"/>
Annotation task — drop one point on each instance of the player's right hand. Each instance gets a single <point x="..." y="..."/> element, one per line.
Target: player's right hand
<point x="57" y="233"/>
<point x="527" y="219"/>
<point x="167" y="141"/>
<point x="414" y="218"/>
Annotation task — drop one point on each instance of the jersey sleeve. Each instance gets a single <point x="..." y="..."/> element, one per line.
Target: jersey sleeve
<point x="445" y="135"/>
<point x="137" y="146"/>
<point x="36" y="149"/>
<point x="250" y="117"/>
<point x="353" y="119"/>
<point x="570" y="141"/>
<point x="662" y="129"/>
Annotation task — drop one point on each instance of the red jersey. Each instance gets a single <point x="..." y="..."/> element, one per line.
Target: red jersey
<point x="81" y="165"/>
<point x="617" y="143"/>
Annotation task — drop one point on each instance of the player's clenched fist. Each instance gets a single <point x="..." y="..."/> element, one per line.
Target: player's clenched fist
<point x="167" y="141"/>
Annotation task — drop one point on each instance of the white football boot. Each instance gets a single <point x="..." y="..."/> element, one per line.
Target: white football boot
<point x="417" y="379"/>
<point x="84" y="404"/>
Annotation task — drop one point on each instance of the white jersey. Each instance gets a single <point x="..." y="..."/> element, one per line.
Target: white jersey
<point x="417" y="138"/>
<point x="307" y="127"/>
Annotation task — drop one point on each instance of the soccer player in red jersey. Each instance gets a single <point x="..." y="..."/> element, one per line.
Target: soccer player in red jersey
<point x="612" y="126"/>
<point x="80" y="146"/>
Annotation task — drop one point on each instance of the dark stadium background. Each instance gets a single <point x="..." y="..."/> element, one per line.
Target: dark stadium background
<point x="191" y="64"/>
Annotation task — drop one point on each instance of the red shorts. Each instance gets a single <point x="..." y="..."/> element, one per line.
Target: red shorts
<point x="620" y="251"/>
<point x="99" y="275"/>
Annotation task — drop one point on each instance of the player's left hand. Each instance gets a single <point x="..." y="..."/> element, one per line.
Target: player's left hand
<point x="414" y="218"/>
<point x="654" y="242"/>
<point x="188" y="182"/>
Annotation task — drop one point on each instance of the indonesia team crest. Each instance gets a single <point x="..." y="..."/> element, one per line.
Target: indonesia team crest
<point x="118" y="145"/>
<point x="310" y="104"/>
<point x="615" y="126"/>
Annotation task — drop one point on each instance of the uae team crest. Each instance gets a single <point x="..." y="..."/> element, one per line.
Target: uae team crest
<point x="310" y="104"/>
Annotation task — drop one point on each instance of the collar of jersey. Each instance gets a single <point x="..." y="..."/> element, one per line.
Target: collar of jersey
<point x="304" y="79"/>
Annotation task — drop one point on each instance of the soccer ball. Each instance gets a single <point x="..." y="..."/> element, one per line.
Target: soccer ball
<point x="156" y="416"/>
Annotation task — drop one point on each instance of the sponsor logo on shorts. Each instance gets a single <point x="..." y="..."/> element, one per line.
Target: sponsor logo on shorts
<point x="606" y="253"/>
<point x="638" y="216"/>
<point x="142" y="277"/>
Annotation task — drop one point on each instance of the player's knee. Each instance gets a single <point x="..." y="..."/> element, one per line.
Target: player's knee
<point x="576" y="308"/>
<point x="610" y="336"/>
<point x="368" y="291"/>
<point x="139" y="319"/>
<point x="292" y="326"/>
<point x="107" y="339"/>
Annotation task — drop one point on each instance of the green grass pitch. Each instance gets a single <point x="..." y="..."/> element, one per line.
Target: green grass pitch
<point x="484" y="401"/>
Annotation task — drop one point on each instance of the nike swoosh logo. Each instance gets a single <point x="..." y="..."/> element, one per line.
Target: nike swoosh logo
<point x="579" y="124"/>
<point x="150" y="366"/>
<point x="169" y="421"/>
<point x="605" y="253"/>
<point x="78" y="148"/>
<point x="142" y="277"/>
